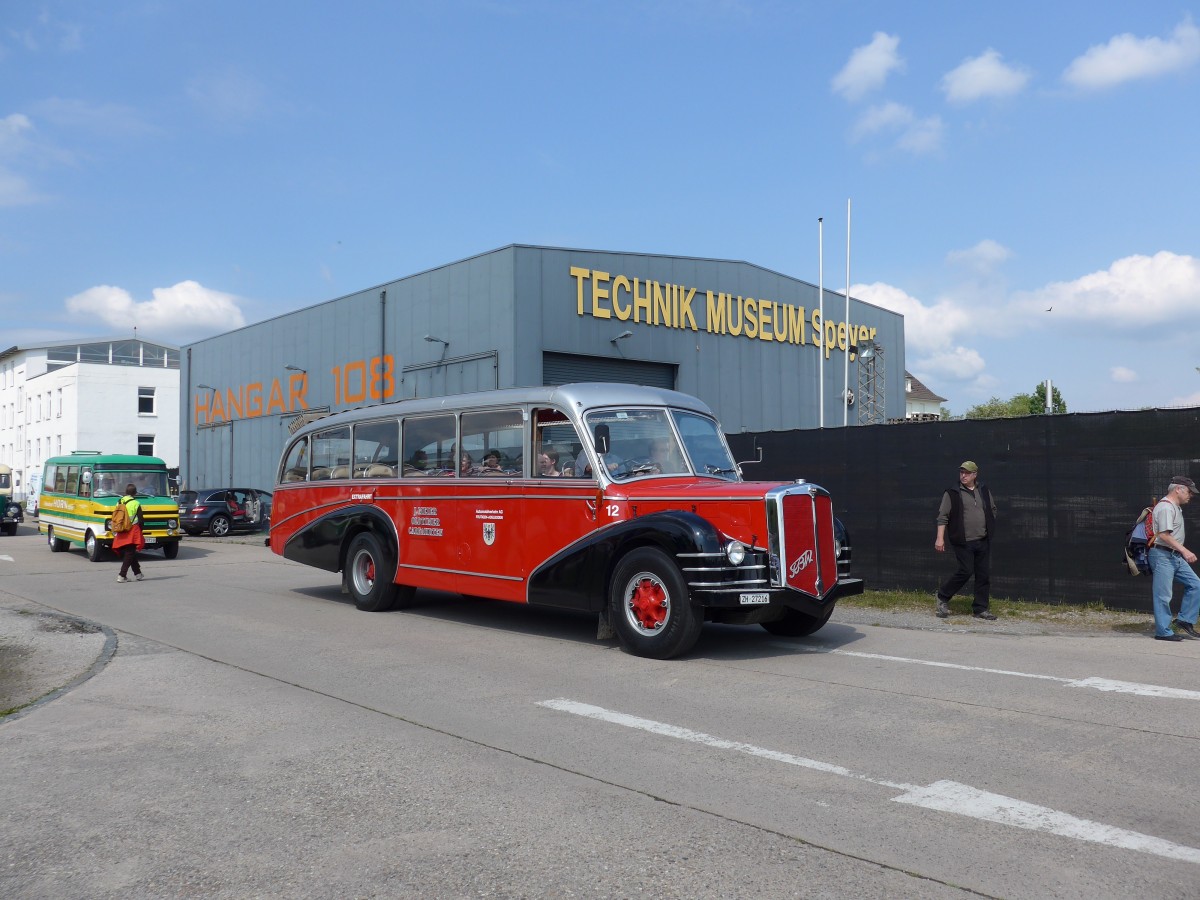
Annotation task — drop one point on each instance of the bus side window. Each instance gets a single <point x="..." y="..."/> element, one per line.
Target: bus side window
<point x="554" y="431"/>
<point x="85" y="482"/>
<point x="493" y="439"/>
<point x="331" y="453"/>
<point x="376" y="448"/>
<point x="429" y="446"/>
<point x="72" y="486"/>
<point x="295" y="465"/>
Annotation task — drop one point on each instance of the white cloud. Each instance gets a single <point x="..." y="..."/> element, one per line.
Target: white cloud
<point x="952" y="363"/>
<point x="913" y="135"/>
<point x="886" y="117"/>
<point x="926" y="328"/>
<point x="1122" y="375"/>
<point x="868" y="67"/>
<point x="15" y="145"/>
<point x="924" y="136"/>
<point x="1127" y="58"/>
<point x="984" y="76"/>
<point x="15" y="190"/>
<point x="1133" y="293"/>
<point x="983" y="257"/>
<point x="229" y="95"/>
<point x="186" y="310"/>
<point x="1185" y="400"/>
<point x="106" y="119"/>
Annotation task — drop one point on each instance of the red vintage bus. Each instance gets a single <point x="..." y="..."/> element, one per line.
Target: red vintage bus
<point x="606" y="498"/>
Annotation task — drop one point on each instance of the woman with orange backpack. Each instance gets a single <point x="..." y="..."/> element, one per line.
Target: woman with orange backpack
<point x="129" y="541"/>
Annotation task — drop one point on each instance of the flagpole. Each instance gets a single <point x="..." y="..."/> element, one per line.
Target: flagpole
<point x="821" y="304"/>
<point x="846" y="390"/>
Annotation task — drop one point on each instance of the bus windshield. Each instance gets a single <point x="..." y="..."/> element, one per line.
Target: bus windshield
<point x="637" y="442"/>
<point x="148" y="482"/>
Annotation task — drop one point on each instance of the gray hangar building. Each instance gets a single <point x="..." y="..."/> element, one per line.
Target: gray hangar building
<point x="746" y="340"/>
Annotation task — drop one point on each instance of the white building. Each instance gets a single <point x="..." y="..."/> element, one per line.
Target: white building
<point x="920" y="403"/>
<point x="114" y="395"/>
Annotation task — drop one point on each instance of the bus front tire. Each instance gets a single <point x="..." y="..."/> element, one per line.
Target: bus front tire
<point x="650" y="607"/>
<point x="798" y="624"/>
<point x="369" y="574"/>
<point x="95" y="548"/>
<point x="171" y="549"/>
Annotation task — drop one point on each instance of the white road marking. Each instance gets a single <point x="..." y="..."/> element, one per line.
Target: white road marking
<point x="1131" y="687"/>
<point x="6" y="557"/>
<point x="1095" y="683"/>
<point x="964" y="800"/>
<point x="941" y="796"/>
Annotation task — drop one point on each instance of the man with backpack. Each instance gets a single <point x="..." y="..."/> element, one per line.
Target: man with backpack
<point x="128" y="530"/>
<point x="1171" y="561"/>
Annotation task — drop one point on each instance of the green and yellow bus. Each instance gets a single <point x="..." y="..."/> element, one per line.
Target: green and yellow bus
<point x="10" y="513"/>
<point x="79" y="492"/>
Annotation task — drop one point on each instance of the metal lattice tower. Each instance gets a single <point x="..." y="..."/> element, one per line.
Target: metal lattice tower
<point x="872" y="384"/>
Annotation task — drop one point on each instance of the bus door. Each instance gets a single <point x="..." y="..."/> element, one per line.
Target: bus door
<point x="490" y="482"/>
<point x="561" y="505"/>
<point x="426" y="510"/>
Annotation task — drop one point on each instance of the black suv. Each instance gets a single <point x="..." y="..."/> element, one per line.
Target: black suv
<point x="220" y="511"/>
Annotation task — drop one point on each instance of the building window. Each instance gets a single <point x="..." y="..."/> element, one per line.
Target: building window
<point x="146" y="402"/>
<point x="145" y="445"/>
<point x="58" y="402"/>
<point x="58" y="452"/>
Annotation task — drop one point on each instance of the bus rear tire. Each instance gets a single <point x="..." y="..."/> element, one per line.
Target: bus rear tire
<point x="56" y="544"/>
<point x="798" y="624"/>
<point x="650" y="607"/>
<point x="369" y="574"/>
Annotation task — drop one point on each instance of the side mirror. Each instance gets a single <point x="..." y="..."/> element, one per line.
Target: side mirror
<point x="600" y="438"/>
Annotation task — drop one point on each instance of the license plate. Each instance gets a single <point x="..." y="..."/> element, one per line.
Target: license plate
<point x="753" y="599"/>
<point x="150" y="540"/>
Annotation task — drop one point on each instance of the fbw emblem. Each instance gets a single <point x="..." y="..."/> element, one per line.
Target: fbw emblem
<point x="800" y="563"/>
<point x="489" y="533"/>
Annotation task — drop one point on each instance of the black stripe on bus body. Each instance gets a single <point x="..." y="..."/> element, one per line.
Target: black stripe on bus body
<point x="323" y="541"/>
<point x="577" y="577"/>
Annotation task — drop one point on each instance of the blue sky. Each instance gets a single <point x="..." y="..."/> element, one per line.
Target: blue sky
<point x="1024" y="177"/>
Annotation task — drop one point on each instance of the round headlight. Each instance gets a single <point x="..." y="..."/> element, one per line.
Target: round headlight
<point x="735" y="552"/>
<point x="172" y="523"/>
<point x="108" y="525"/>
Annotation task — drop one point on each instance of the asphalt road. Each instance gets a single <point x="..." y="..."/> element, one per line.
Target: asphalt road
<point x="253" y="734"/>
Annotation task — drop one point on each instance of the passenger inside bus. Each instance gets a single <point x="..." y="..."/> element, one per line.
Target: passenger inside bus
<point x="491" y="463"/>
<point x="548" y="463"/>
<point x="662" y="453"/>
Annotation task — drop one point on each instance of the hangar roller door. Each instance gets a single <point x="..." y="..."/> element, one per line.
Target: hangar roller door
<point x="563" y="368"/>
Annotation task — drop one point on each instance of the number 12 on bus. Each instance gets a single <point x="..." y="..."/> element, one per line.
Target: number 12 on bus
<point x="611" y="499"/>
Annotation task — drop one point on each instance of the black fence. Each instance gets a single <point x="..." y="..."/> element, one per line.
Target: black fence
<point x="1067" y="489"/>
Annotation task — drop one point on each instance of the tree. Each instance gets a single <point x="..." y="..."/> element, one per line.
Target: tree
<point x="1018" y="405"/>
<point x="1039" y="398"/>
<point x="1001" y="409"/>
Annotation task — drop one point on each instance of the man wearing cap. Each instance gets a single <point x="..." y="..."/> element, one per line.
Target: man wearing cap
<point x="1170" y="561"/>
<point x="967" y="518"/>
